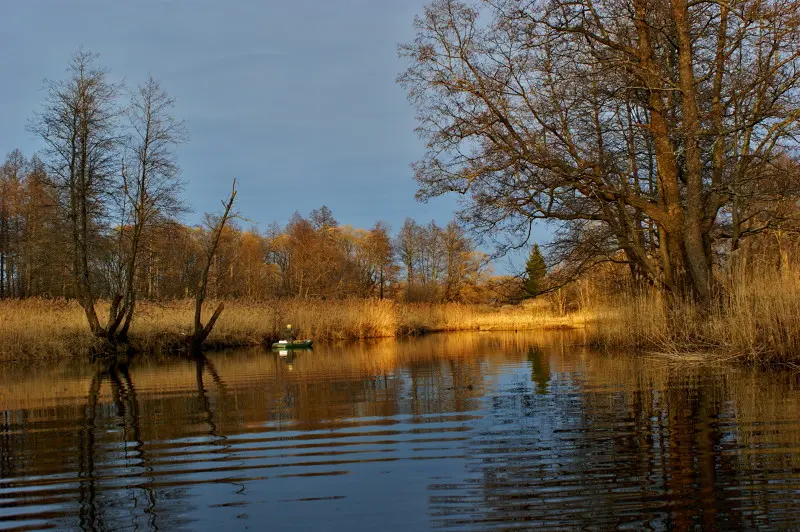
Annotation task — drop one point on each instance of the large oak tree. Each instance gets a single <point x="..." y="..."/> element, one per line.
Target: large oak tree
<point x="642" y="126"/>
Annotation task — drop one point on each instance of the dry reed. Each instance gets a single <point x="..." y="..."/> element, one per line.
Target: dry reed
<point x="39" y="328"/>
<point x="756" y="318"/>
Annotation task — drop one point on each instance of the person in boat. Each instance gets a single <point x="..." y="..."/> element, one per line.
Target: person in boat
<point x="288" y="334"/>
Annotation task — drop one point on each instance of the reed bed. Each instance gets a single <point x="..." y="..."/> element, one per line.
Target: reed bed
<point x="534" y="314"/>
<point x="42" y="329"/>
<point x="755" y="318"/>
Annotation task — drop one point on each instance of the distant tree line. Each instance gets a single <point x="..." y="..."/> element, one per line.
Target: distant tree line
<point x="311" y="256"/>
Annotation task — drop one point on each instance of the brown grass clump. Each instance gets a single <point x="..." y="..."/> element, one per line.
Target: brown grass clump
<point x="756" y="318"/>
<point x="31" y="328"/>
<point x="40" y="328"/>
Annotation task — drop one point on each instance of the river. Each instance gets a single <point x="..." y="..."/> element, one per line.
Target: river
<point x="455" y="431"/>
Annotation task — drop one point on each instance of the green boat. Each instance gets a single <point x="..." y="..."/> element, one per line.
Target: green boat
<point x="295" y="344"/>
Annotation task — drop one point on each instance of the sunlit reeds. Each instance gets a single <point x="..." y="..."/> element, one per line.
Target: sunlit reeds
<point x="40" y="328"/>
<point x="755" y="317"/>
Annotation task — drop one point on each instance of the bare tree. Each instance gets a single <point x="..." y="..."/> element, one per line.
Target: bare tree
<point x="215" y="225"/>
<point x="151" y="187"/>
<point x="457" y="251"/>
<point x="11" y="187"/>
<point x="323" y="218"/>
<point x="43" y="247"/>
<point x="409" y="249"/>
<point x="645" y="117"/>
<point x="380" y="256"/>
<point x="79" y="126"/>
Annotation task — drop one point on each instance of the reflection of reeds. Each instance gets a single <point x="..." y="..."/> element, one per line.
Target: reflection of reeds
<point x="641" y="388"/>
<point x="758" y="406"/>
<point x="756" y="318"/>
<point x="38" y="328"/>
<point x="32" y="387"/>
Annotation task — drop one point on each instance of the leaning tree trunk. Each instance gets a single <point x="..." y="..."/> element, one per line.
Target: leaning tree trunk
<point x="201" y="332"/>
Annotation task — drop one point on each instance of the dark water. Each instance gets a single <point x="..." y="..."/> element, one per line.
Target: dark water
<point x="469" y="432"/>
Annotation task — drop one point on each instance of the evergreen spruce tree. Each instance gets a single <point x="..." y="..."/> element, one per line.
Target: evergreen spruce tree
<point x="535" y="271"/>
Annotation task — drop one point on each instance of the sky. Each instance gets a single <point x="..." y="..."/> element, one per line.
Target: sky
<point x="296" y="99"/>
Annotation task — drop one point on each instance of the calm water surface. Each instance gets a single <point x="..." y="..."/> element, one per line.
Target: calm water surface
<point x="467" y="431"/>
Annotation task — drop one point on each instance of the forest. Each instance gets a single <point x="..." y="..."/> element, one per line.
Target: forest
<point x="310" y="257"/>
<point x="98" y="213"/>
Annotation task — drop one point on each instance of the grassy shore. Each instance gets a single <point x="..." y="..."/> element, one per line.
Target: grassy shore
<point x="756" y="318"/>
<point x="42" y="329"/>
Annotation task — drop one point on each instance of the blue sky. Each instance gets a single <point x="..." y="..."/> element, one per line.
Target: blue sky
<point x="295" y="98"/>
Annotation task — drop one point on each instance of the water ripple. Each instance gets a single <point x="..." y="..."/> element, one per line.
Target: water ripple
<point x="460" y="432"/>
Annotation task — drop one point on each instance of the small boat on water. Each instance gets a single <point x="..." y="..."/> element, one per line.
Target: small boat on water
<point x="294" y="344"/>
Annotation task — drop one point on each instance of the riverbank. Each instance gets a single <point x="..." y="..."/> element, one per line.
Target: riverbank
<point x="755" y="319"/>
<point x="46" y="329"/>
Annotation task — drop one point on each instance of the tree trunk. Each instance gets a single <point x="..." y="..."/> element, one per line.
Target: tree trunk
<point x="201" y="332"/>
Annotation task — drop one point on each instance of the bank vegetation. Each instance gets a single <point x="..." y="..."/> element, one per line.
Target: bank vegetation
<point x="755" y="319"/>
<point x="37" y="328"/>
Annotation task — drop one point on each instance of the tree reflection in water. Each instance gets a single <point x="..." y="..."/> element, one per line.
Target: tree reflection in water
<point x="138" y="475"/>
<point x="615" y="442"/>
<point x="115" y="370"/>
<point x="471" y="431"/>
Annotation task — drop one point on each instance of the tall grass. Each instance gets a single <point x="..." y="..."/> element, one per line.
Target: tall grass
<point x="39" y="328"/>
<point x="534" y="314"/>
<point x="755" y="317"/>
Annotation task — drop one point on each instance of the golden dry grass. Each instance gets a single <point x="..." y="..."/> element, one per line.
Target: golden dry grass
<point x="534" y="314"/>
<point x="756" y="318"/>
<point x="39" y="328"/>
